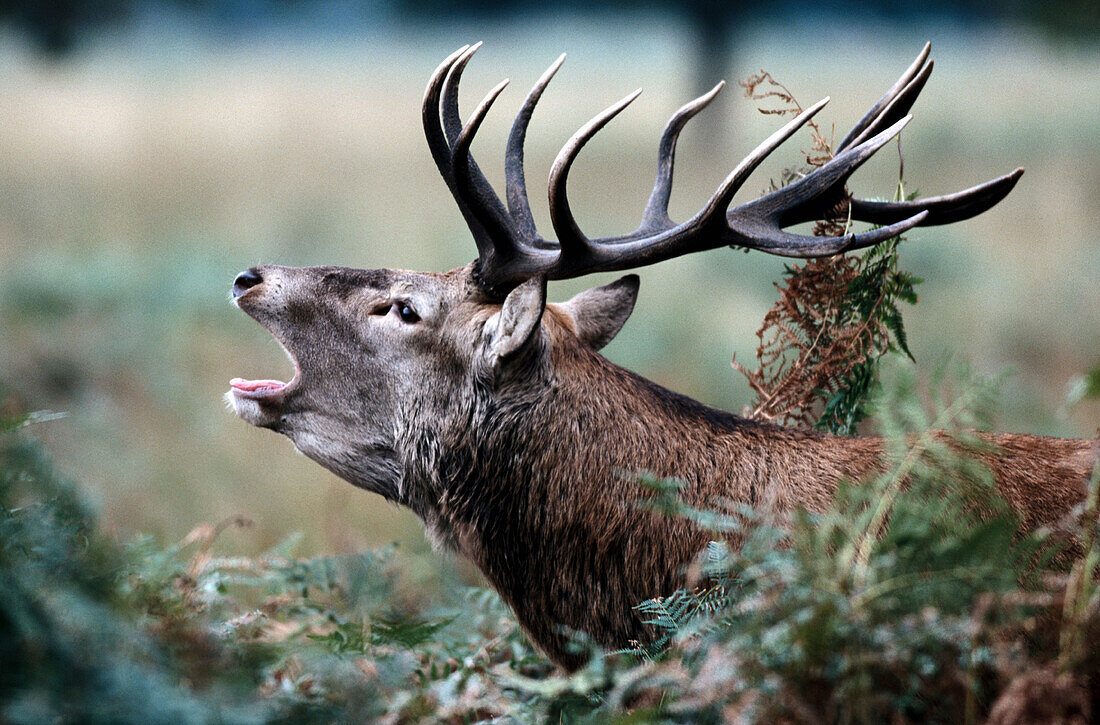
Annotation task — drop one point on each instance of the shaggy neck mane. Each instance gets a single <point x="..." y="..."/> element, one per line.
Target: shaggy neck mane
<point x="541" y="486"/>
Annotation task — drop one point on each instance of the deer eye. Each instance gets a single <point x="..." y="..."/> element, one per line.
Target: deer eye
<point x="406" y="313"/>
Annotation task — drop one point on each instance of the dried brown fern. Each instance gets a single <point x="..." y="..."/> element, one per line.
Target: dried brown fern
<point x="834" y="317"/>
<point x="802" y="348"/>
<point x="821" y="150"/>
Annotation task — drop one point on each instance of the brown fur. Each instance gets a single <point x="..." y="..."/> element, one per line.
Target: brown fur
<point x="520" y="454"/>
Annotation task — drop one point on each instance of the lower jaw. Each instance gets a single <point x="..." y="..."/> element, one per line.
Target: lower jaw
<point x="253" y="410"/>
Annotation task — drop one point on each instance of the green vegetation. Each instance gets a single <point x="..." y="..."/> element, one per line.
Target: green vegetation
<point x="94" y="631"/>
<point x="898" y="602"/>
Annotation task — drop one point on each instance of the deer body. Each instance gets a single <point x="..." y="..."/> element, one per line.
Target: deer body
<point x="524" y="465"/>
<point x="538" y="492"/>
<point x="490" y="413"/>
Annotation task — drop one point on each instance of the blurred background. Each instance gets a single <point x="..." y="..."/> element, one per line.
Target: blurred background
<point x="149" y="152"/>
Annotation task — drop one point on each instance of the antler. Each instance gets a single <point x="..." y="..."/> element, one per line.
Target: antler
<point x="510" y="249"/>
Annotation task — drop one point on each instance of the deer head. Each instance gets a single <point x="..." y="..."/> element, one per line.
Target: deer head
<point x="379" y="352"/>
<point x="380" y="356"/>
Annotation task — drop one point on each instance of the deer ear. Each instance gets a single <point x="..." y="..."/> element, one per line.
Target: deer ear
<point x="519" y="317"/>
<point x="599" y="313"/>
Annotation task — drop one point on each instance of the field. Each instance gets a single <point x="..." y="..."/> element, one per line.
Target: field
<point x="138" y="178"/>
<point x="198" y="570"/>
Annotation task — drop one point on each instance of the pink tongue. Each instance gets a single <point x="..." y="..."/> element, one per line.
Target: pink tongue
<point x="252" y="385"/>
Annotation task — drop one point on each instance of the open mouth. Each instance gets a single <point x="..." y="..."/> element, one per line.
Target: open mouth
<point x="244" y="295"/>
<point x="266" y="389"/>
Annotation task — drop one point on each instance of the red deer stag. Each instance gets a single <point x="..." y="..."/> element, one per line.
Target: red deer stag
<point x="468" y="398"/>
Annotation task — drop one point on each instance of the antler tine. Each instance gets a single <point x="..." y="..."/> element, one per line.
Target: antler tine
<point x="816" y="193"/>
<point x="515" y="184"/>
<point x="472" y="186"/>
<point x="572" y="241"/>
<point x="433" y="128"/>
<point x="736" y="178"/>
<point x="942" y="209"/>
<point x="460" y="151"/>
<point x="479" y="203"/>
<point x="667" y="240"/>
<point x="656" y="209"/>
<point x="661" y="240"/>
<point x="448" y="107"/>
<point x="896" y="109"/>
<point x="894" y="104"/>
<point x="754" y="233"/>
<point x="440" y="147"/>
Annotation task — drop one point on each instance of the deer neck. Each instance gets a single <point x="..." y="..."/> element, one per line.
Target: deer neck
<point x="575" y="444"/>
<point x="540" y="490"/>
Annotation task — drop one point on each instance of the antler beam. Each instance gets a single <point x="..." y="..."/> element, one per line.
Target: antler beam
<point x="510" y="248"/>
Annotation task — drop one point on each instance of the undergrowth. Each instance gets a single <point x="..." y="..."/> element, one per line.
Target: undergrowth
<point x="912" y="603"/>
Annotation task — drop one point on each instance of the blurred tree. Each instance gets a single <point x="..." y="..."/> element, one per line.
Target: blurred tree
<point x="56" y="27"/>
<point x="1072" y="21"/>
<point x="714" y="25"/>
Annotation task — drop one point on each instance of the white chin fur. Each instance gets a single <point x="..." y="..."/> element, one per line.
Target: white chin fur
<point x="247" y="409"/>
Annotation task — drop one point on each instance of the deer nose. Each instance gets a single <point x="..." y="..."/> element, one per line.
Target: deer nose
<point x="245" y="281"/>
